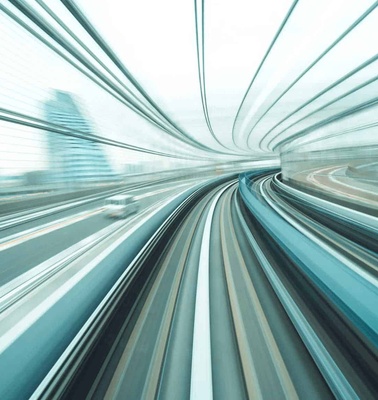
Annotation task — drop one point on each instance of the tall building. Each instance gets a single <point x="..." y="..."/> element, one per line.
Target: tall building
<point x="72" y="159"/>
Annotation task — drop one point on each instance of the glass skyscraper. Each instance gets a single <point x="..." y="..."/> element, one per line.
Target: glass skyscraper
<point x="73" y="159"/>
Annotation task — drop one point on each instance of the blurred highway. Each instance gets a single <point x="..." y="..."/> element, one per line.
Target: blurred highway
<point x="30" y="241"/>
<point x="341" y="183"/>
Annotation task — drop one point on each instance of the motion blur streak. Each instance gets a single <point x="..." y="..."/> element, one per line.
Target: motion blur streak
<point x="188" y="199"/>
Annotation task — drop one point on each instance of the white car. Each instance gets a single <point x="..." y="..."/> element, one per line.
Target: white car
<point x="120" y="206"/>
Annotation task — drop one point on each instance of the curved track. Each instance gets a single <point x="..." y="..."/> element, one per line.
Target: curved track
<point x="205" y="321"/>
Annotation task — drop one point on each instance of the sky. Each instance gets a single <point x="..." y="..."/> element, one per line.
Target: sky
<point x="156" y="40"/>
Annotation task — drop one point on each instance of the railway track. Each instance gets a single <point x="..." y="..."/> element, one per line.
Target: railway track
<point x="200" y="320"/>
<point x="212" y="307"/>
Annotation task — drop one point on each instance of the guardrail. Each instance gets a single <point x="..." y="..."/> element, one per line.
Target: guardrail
<point x="355" y="296"/>
<point x="350" y="293"/>
<point x="358" y="218"/>
<point x="359" y="227"/>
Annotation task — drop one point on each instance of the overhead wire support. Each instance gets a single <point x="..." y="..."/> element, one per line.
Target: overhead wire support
<point x="313" y="63"/>
<point x="358" y="128"/>
<point x="333" y="118"/>
<point x="199" y="16"/>
<point x="160" y="122"/>
<point x="342" y="96"/>
<point x="86" y="24"/>
<point x="319" y="94"/>
<point x="32" y="122"/>
<point x="276" y="36"/>
<point x="107" y="85"/>
<point x="153" y="109"/>
<point x="90" y="29"/>
<point x="90" y="52"/>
